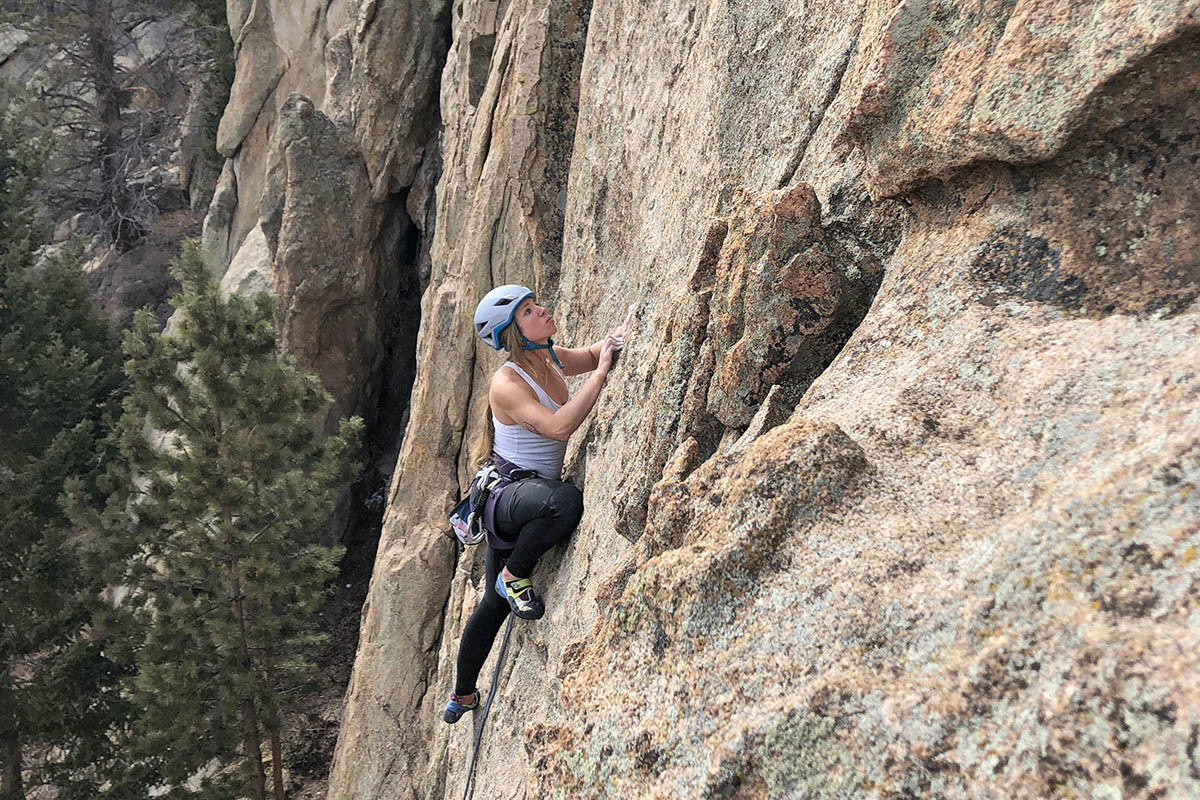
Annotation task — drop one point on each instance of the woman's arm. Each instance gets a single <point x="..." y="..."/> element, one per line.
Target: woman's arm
<point x="578" y="360"/>
<point x="511" y="397"/>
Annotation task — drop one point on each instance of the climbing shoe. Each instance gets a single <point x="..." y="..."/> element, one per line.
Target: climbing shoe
<point x="521" y="599"/>
<point x="455" y="708"/>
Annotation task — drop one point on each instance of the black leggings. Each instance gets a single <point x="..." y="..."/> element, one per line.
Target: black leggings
<point x="538" y="514"/>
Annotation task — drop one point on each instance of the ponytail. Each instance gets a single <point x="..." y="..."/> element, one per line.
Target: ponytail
<point x="481" y="451"/>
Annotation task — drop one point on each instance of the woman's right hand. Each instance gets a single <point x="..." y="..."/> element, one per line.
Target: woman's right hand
<point x="612" y="344"/>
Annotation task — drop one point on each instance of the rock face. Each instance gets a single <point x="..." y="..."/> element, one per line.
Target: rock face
<point x="321" y="229"/>
<point x="894" y="490"/>
<point x="325" y="133"/>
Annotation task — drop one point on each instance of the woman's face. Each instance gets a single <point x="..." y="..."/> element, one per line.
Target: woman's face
<point x="535" y="321"/>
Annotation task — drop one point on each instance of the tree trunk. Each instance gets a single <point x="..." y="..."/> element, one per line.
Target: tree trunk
<point x="11" y="787"/>
<point x="277" y="766"/>
<point x="115" y="202"/>
<point x="275" y="724"/>
<point x="253" y="736"/>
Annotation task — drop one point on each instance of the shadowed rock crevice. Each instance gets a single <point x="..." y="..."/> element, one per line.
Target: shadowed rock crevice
<point x="391" y="379"/>
<point x="479" y="62"/>
<point x="547" y="165"/>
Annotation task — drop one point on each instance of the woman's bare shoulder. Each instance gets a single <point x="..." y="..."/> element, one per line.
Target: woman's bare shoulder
<point x="505" y="381"/>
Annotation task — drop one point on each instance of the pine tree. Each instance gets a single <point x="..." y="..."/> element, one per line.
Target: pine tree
<point x="59" y="368"/>
<point x="232" y="494"/>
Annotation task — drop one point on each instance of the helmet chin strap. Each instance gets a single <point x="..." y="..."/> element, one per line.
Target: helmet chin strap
<point x="528" y="345"/>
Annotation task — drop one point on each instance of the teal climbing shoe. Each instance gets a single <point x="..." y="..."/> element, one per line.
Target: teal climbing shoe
<point x="520" y="596"/>
<point x="455" y="708"/>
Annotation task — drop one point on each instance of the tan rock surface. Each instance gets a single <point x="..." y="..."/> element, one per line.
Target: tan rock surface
<point x="481" y="235"/>
<point x="947" y="84"/>
<point x="305" y="146"/>
<point x="894" y="491"/>
<point x="250" y="270"/>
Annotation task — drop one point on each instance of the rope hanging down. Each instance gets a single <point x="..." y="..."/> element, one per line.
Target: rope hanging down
<point x="487" y="706"/>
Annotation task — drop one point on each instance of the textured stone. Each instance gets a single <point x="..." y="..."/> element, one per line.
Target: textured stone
<point x="774" y="410"/>
<point x="280" y="49"/>
<point x="395" y="44"/>
<point x="250" y="270"/>
<point x="258" y="71"/>
<point x="322" y="233"/>
<point x="217" y="234"/>
<point x="893" y="492"/>
<point x="12" y="39"/>
<point x="786" y="299"/>
<point x="947" y="84"/>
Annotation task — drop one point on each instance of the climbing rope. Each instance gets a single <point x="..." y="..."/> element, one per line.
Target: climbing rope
<point x="487" y="706"/>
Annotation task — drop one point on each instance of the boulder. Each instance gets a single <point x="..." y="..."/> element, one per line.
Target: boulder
<point x="250" y="270"/>
<point x="258" y="71"/>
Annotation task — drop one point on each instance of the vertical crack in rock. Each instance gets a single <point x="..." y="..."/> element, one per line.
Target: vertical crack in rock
<point x="390" y="380"/>
<point x="481" y="48"/>
<point x="545" y="165"/>
<point x="399" y="50"/>
<point x="834" y="89"/>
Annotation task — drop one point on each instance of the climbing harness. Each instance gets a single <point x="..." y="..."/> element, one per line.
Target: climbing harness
<point x="474" y="516"/>
<point x="467" y="517"/>
<point x="488" y="705"/>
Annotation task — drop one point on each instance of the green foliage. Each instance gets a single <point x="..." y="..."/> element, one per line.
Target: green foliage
<point x="232" y="491"/>
<point x="59" y="373"/>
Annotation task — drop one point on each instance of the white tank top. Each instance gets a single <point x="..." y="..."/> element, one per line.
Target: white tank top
<point x="525" y="448"/>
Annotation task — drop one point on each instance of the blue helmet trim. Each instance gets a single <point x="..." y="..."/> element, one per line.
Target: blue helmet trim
<point x="499" y="329"/>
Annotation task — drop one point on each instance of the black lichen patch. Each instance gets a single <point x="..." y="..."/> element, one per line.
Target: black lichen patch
<point x="661" y="640"/>
<point x="646" y="755"/>
<point x="1017" y="263"/>
<point x="1193" y="752"/>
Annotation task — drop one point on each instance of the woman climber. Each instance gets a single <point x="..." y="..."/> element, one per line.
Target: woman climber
<point x="530" y="416"/>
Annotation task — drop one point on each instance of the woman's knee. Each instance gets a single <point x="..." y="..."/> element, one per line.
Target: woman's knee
<point x="566" y="503"/>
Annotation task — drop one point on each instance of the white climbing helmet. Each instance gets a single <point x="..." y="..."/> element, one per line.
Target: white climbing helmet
<point x="496" y="310"/>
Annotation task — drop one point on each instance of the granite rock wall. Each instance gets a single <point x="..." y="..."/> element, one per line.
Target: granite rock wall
<point x="894" y="491"/>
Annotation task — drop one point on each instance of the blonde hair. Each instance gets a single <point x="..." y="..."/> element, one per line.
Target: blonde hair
<point x="481" y="451"/>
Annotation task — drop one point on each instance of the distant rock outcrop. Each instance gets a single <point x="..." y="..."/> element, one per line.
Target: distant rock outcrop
<point x="894" y="491"/>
